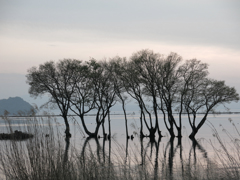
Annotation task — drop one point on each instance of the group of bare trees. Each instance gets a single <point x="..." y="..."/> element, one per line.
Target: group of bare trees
<point x="162" y="86"/>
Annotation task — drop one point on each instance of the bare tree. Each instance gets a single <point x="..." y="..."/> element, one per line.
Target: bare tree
<point x="148" y="64"/>
<point x="133" y="85"/>
<point x="167" y="83"/>
<point x="205" y="98"/>
<point x="83" y="99"/>
<point x="54" y="79"/>
<point x="116" y="67"/>
<point x="192" y="74"/>
<point x="105" y="93"/>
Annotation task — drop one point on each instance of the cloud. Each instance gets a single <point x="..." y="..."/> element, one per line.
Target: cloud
<point x="191" y="23"/>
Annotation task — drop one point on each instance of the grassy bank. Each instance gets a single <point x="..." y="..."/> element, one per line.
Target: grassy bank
<point x="48" y="155"/>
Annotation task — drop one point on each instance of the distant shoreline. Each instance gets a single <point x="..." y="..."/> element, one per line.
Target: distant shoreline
<point x="217" y="113"/>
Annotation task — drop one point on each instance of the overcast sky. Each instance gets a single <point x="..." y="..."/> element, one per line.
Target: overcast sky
<point x="33" y="32"/>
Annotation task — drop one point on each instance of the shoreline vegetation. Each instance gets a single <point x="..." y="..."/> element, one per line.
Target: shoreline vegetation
<point x="48" y="155"/>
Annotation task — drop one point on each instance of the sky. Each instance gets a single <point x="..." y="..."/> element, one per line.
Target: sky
<point x="33" y="32"/>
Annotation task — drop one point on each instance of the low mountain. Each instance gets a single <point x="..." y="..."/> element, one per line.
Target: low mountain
<point x="14" y="105"/>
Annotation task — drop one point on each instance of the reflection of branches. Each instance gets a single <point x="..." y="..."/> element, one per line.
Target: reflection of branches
<point x="195" y="145"/>
<point x="172" y="152"/>
<point x="143" y="151"/>
<point x="109" y="149"/>
<point x="150" y="144"/>
<point x="103" y="149"/>
<point x="109" y="158"/>
<point x="87" y="143"/>
<point x="126" y="151"/>
<point x="65" y="157"/>
<point x="171" y="155"/>
<point x="66" y="150"/>
<point x="181" y="150"/>
<point x="156" y="159"/>
<point x="101" y="154"/>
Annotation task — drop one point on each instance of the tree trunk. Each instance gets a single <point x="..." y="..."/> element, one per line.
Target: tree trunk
<point x="125" y="116"/>
<point x="194" y="132"/>
<point x="179" y="129"/>
<point x="180" y="143"/>
<point x="67" y="131"/>
<point x="103" y="129"/>
<point x="152" y="133"/>
<point x="141" y="127"/>
<point x="159" y="133"/>
<point x="84" y="126"/>
<point x="171" y="132"/>
<point x="156" y="116"/>
<point x="109" y="125"/>
<point x="96" y="130"/>
<point x="195" y="129"/>
<point x="171" y="129"/>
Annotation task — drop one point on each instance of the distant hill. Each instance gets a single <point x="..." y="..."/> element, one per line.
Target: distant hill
<point x="14" y="105"/>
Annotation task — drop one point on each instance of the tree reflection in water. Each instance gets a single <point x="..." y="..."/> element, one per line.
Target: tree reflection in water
<point x="149" y="154"/>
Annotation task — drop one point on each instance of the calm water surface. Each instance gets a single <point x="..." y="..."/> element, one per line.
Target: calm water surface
<point x="173" y="152"/>
<point x="222" y="123"/>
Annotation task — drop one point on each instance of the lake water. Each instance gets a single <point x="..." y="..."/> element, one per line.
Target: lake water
<point x="173" y="152"/>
